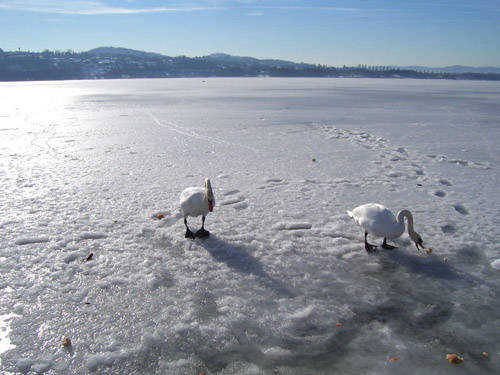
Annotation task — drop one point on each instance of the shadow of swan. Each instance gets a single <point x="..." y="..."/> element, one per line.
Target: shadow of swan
<point x="238" y="258"/>
<point x="433" y="266"/>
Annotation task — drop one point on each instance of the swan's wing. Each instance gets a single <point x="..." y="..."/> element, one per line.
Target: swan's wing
<point x="375" y="218"/>
<point x="192" y="201"/>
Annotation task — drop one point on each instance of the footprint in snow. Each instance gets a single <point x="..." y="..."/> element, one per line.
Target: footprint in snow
<point x="272" y="182"/>
<point x="232" y="201"/>
<point x="440" y="193"/>
<point x="461" y="209"/>
<point x="231" y="192"/>
<point x="238" y="202"/>
<point x="394" y="174"/>
<point x="445" y="182"/>
<point x="448" y="229"/>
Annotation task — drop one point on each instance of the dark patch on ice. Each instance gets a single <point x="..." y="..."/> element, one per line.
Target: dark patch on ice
<point x="470" y="254"/>
<point x="461" y="209"/>
<point x="306" y="328"/>
<point x="245" y="349"/>
<point x="432" y="267"/>
<point x="238" y="258"/>
<point x="331" y="352"/>
<point x="440" y="193"/>
<point x="448" y="228"/>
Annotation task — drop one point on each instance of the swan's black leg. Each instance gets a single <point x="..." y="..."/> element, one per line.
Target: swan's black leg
<point x="385" y="245"/>
<point x="188" y="234"/>
<point x="369" y="247"/>
<point x="202" y="232"/>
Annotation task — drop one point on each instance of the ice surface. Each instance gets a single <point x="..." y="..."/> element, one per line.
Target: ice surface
<point x="283" y="285"/>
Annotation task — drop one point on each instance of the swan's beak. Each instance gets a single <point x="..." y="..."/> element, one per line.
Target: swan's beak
<point x="419" y="243"/>
<point x="210" y="206"/>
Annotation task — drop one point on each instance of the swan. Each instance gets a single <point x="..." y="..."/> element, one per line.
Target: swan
<point x="196" y="201"/>
<point x="378" y="220"/>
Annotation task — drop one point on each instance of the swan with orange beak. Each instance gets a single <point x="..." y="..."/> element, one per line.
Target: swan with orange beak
<point x="379" y="221"/>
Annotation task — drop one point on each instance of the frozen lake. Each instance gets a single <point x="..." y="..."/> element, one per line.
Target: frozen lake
<point x="283" y="285"/>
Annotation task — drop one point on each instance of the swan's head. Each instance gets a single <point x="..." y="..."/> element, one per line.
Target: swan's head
<point x="417" y="239"/>
<point x="209" y="194"/>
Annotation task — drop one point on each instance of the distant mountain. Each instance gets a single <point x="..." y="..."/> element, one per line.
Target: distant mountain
<point x="229" y="59"/>
<point x="117" y="51"/>
<point x="112" y="62"/>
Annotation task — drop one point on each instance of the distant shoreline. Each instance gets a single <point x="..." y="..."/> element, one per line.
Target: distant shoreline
<point x="121" y="63"/>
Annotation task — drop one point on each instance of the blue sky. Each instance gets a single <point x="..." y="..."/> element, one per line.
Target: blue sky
<point x="372" y="32"/>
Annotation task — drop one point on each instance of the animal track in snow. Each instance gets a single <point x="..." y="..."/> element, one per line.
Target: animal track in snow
<point x="448" y="228"/>
<point x="231" y="201"/>
<point x="445" y="182"/>
<point x="31" y="240"/>
<point x="236" y="202"/>
<point x="394" y="174"/>
<point x="440" y="193"/>
<point x="461" y="209"/>
<point x="231" y="192"/>
<point x="395" y="162"/>
<point x="272" y="182"/>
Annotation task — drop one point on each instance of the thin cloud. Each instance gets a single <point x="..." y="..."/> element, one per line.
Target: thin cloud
<point x="87" y="7"/>
<point x="84" y="7"/>
<point x="255" y="14"/>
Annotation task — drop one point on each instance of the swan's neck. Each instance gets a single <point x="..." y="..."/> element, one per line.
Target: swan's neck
<point x="209" y="195"/>
<point x="401" y="215"/>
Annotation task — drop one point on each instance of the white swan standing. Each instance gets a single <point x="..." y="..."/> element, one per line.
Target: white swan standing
<point x="380" y="221"/>
<point x="196" y="201"/>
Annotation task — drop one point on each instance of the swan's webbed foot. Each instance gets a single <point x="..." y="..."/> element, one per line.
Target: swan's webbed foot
<point x="370" y="248"/>
<point x="189" y="234"/>
<point x="202" y="233"/>
<point x="386" y="246"/>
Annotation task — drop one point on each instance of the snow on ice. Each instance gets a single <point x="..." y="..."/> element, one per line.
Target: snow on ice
<point x="283" y="285"/>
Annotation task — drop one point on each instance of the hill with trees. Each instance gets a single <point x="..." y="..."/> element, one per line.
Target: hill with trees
<point x="111" y="62"/>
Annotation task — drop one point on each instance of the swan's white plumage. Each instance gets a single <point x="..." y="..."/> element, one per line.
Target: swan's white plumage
<point x="377" y="220"/>
<point x="196" y="201"/>
<point x="193" y="202"/>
